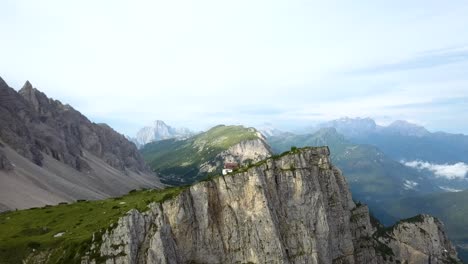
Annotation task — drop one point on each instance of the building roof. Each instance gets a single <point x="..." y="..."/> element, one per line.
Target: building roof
<point x="230" y="165"/>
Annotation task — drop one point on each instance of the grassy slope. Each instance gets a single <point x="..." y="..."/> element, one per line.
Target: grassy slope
<point x="184" y="157"/>
<point x="34" y="229"/>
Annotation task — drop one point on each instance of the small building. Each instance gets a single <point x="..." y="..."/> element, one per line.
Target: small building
<point x="229" y="167"/>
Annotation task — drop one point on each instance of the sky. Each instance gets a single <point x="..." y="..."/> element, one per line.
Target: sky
<point x="200" y="63"/>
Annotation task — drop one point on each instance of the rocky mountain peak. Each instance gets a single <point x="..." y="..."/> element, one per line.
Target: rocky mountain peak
<point x="159" y="123"/>
<point x="35" y="128"/>
<point x="27" y="86"/>
<point x="159" y="130"/>
<point x="423" y="234"/>
<point x="352" y="127"/>
<point x="406" y="128"/>
<point x="30" y="94"/>
<point x="61" y="131"/>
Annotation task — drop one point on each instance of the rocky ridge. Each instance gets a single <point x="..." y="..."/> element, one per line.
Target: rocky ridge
<point x="40" y="135"/>
<point x="34" y="124"/>
<point x="295" y="208"/>
<point x="182" y="162"/>
<point x="244" y="152"/>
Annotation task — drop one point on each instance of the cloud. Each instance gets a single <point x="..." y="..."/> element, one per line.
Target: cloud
<point x="206" y="62"/>
<point x="408" y="185"/>
<point x="426" y="59"/>
<point x="448" y="189"/>
<point x="455" y="171"/>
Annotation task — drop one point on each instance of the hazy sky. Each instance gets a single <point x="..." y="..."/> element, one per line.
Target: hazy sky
<point x="200" y="63"/>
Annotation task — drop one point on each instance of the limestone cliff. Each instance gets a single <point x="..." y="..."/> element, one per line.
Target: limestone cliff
<point x="296" y="208"/>
<point x="244" y="152"/>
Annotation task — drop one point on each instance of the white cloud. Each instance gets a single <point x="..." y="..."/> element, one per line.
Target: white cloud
<point x="450" y="171"/>
<point x="409" y="185"/>
<point x="448" y="189"/>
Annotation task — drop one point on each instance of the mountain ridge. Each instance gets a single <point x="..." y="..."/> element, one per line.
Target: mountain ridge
<point x="294" y="208"/>
<point x="61" y="144"/>
<point x="403" y="140"/>
<point x="189" y="160"/>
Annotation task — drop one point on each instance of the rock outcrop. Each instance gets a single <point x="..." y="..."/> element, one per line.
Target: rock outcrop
<point x="50" y="134"/>
<point x="420" y="239"/>
<point x="244" y="152"/>
<point x="291" y="209"/>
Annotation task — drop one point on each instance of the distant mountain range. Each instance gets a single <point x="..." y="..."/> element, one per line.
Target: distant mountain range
<point x="374" y="158"/>
<point x="160" y="131"/>
<point x="51" y="153"/>
<point x="361" y="127"/>
<point x="402" y="140"/>
<point x="268" y="130"/>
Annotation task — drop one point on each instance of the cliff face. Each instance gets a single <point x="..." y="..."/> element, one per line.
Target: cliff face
<point x="420" y="239"/>
<point x="292" y="209"/>
<point x="243" y="152"/>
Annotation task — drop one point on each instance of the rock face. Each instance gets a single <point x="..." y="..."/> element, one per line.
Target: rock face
<point x="5" y="164"/>
<point x="182" y="162"/>
<point x="34" y="124"/>
<point x="292" y="209"/>
<point x="248" y="151"/>
<point x="420" y="239"/>
<point x="160" y="131"/>
<point x="45" y="132"/>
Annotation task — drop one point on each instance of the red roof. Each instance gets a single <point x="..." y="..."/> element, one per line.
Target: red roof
<point x="230" y="165"/>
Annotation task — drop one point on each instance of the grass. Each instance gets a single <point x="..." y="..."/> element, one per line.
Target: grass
<point x="26" y="231"/>
<point x="183" y="158"/>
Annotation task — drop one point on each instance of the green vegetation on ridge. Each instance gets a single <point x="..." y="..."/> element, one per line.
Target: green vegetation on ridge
<point x="178" y="161"/>
<point x="26" y="231"/>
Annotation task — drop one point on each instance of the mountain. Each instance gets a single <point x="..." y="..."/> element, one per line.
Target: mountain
<point x="351" y="127"/>
<point x="293" y="208"/>
<point x="404" y="128"/>
<point x="402" y="140"/>
<point x="160" y="131"/>
<point x="186" y="161"/>
<point x="51" y="153"/>
<point x="451" y="208"/>
<point x="268" y="130"/>
<point x="374" y="177"/>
